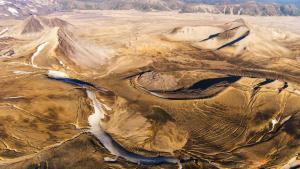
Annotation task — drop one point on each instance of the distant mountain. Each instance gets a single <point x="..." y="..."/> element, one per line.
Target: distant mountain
<point x="236" y="7"/>
<point x="214" y="2"/>
<point x="245" y="8"/>
<point x="294" y="2"/>
<point x="24" y="8"/>
<point x="143" y="5"/>
<point x="21" y="8"/>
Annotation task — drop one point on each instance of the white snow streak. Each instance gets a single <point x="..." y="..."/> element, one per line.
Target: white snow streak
<point x="285" y="119"/>
<point x="95" y="123"/>
<point x="14" y="97"/>
<point x="57" y="74"/>
<point x="21" y="72"/>
<point x="13" y="11"/>
<point x="2" y="2"/>
<point x="293" y="162"/>
<point x="36" y="53"/>
<point x="274" y="122"/>
<point x="3" y="31"/>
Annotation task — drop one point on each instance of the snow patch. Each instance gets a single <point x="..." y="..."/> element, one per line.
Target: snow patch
<point x="285" y="119"/>
<point x="3" y="31"/>
<point x="106" y="107"/>
<point x="21" y="72"/>
<point x="95" y="119"/>
<point x="14" y="97"/>
<point x="2" y="2"/>
<point x="39" y="49"/>
<point x="240" y="11"/>
<point x="95" y="123"/>
<point x="274" y="122"/>
<point x="33" y="10"/>
<point x="63" y="65"/>
<point x="57" y="74"/>
<point x="13" y="11"/>
<point x="293" y="162"/>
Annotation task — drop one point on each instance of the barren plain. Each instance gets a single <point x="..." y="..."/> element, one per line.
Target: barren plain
<point x="129" y="89"/>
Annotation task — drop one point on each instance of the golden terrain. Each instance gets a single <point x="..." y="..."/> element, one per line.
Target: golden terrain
<point x="223" y="90"/>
